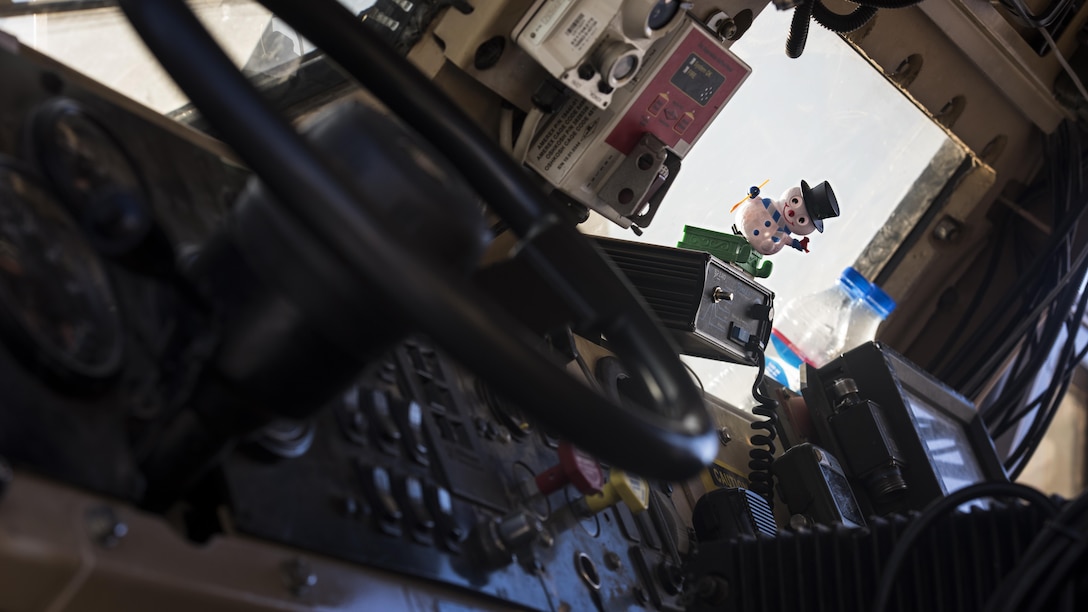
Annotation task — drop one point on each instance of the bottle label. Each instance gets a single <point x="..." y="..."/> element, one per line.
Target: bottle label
<point x="773" y="369"/>
<point x="787" y="352"/>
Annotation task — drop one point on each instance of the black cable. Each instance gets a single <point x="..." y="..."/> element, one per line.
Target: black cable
<point x="938" y="509"/>
<point x="1064" y="370"/>
<point x="761" y="455"/>
<point x="1027" y="284"/>
<point x="1047" y="19"/>
<point x="672" y="441"/>
<point x="1001" y="348"/>
<point x="1025" y="375"/>
<point x="1040" y="558"/>
<point x="1037" y="278"/>
<point x="1018" y="459"/>
<point x="1061" y="311"/>
<point x="694" y="375"/>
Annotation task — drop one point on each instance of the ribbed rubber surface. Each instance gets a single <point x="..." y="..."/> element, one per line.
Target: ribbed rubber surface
<point x="956" y="566"/>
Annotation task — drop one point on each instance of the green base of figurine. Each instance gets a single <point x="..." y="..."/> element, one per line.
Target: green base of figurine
<point x="726" y="247"/>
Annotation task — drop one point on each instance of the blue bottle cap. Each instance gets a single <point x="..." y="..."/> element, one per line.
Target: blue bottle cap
<point x="880" y="301"/>
<point x="857" y="286"/>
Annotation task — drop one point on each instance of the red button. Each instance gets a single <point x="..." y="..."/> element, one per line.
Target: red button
<point x="659" y="103"/>
<point x="684" y="123"/>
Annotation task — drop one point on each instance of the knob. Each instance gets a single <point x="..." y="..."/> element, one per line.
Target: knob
<point x="574" y="467"/>
<point x="761" y="312"/>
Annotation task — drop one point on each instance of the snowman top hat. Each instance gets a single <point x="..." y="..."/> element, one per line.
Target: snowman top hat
<point x="820" y="202"/>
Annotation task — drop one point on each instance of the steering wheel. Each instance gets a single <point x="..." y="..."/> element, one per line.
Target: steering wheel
<point x="671" y="440"/>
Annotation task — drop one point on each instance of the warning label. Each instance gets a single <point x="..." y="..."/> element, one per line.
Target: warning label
<point x="582" y="31"/>
<point x="717" y="476"/>
<point x="545" y="19"/>
<point x="564" y="140"/>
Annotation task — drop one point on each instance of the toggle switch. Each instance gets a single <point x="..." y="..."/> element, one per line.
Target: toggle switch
<point x="384" y="429"/>
<point x="575" y="468"/>
<point x="633" y="491"/>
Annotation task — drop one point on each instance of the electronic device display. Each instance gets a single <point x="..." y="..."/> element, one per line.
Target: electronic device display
<point x="947" y="445"/>
<point x="936" y="439"/>
<point x="698" y="79"/>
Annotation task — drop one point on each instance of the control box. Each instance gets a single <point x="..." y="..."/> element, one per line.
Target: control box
<point x="712" y="308"/>
<point x="612" y="159"/>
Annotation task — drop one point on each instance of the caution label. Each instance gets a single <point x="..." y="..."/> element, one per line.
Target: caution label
<point x="717" y="476"/>
<point x="563" y="141"/>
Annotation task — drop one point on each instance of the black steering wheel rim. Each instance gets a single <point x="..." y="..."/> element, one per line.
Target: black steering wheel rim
<point x="673" y="441"/>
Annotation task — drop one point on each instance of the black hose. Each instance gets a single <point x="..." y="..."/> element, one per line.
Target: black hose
<point x="673" y="442"/>
<point x="802" y="16"/>
<point x="839" y="23"/>
<point x="836" y="22"/>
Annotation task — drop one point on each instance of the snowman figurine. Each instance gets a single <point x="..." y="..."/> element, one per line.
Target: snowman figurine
<point x="769" y="225"/>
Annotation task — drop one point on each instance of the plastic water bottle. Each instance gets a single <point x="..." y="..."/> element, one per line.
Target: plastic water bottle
<point x="814" y="328"/>
<point x="867" y="319"/>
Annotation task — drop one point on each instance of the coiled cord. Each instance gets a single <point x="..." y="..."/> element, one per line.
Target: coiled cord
<point x="761" y="456"/>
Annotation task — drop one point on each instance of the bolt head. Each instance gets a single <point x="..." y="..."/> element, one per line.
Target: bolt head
<point x="612" y="561"/>
<point x="725" y="436"/>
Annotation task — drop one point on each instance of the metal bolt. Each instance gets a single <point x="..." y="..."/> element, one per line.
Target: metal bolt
<point x="725" y="436"/>
<point x="612" y="561"/>
<point x="640" y="595"/>
<point x="104" y="527"/>
<point x="298" y="576"/>
<point x="719" y="294"/>
<point x="503" y="435"/>
<point x="727" y="29"/>
<point x="800" y="521"/>
<point x="947" y="229"/>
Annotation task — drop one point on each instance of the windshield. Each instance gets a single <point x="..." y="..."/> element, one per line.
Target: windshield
<point x="826" y="116"/>
<point x="94" y="38"/>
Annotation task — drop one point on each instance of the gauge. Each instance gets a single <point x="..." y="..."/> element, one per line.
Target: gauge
<point x="93" y="174"/>
<point x="56" y="305"/>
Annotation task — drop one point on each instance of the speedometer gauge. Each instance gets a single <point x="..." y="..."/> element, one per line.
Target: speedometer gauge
<point x="92" y="173"/>
<point x="57" y="311"/>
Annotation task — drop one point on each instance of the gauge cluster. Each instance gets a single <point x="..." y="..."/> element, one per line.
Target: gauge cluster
<point x="96" y="336"/>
